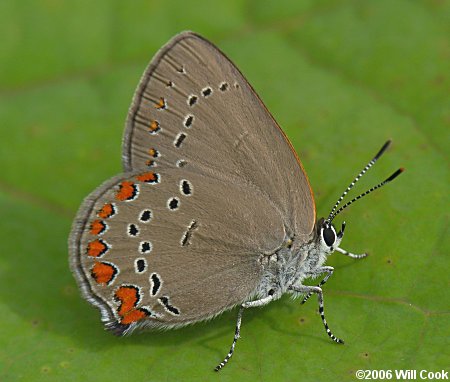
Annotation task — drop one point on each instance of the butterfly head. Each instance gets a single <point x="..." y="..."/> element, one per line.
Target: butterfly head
<point x="327" y="236"/>
<point x="326" y="232"/>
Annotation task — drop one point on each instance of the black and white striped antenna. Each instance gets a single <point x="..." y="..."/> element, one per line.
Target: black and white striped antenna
<point x="334" y="213"/>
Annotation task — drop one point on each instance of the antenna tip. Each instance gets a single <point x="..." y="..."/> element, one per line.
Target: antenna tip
<point x="395" y="174"/>
<point x="383" y="149"/>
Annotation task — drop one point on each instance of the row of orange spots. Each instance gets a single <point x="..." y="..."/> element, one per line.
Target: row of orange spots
<point x="148" y="177"/>
<point x="96" y="248"/>
<point x="128" y="296"/>
<point x="127" y="191"/>
<point x="106" y="211"/>
<point x="97" y="227"/>
<point x="154" y="154"/>
<point x="161" y="103"/>
<point x="154" y="126"/>
<point x="103" y="273"/>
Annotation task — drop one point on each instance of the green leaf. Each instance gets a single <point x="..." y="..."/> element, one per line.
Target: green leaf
<point x="340" y="78"/>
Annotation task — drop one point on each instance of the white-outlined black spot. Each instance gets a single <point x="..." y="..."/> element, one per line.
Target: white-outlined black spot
<point x="145" y="247"/>
<point x="155" y="284"/>
<point x="186" y="187"/>
<point x="188" y="121"/>
<point x="140" y="265"/>
<point x="181" y="163"/>
<point x="223" y="86"/>
<point x="179" y="140"/>
<point x="145" y="216"/>
<point x="150" y="313"/>
<point x="173" y="203"/>
<point x="164" y="301"/>
<point x="192" y="100"/>
<point x="206" y="92"/>
<point x="132" y="230"/>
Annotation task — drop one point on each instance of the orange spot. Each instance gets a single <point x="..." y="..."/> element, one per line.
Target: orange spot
<point x="161" y="104"/>
<point x="152" y="152"/>
<point x="96" y="248"/>
<point x="154" y="126"/>
<point x="133" y="316"/>
<point x="103" y="273"/>
<point x="150" y="162"/>
<point x="97" y="227"/>
<point x="148" y="177"/>
<point x="127" y="191"/>
<point x="128" y="297"/>
<point x="106" y="211"/>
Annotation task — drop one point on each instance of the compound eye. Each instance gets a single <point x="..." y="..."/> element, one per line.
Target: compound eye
<point x="328" y="236"/>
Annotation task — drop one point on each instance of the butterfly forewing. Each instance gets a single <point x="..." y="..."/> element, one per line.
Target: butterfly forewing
<point x="194" y="106"/>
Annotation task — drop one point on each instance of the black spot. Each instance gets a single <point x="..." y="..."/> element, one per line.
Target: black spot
<point x="192" y="100"/>
<point x="146" y="215"/>
<point x="148" y="312"/>
<point x="181" y="163"/>
<point x="133" y="230"/>
<point x="146" y="247"/>
<point x="181" y="69"/>
<point x="173" y="203"/>
<point x="206" y="92"/>
<point x="186" y="187"/>
<point x="236" y="85"/>
<point x="165" y="301"/>
<point x="188" y="121"/>
<point x="223" y="86"/>
<point x="156" y="284"/>
<point x="140" y="265"/>
<point x="169" y="84"/>
<point x="180" y="140"/>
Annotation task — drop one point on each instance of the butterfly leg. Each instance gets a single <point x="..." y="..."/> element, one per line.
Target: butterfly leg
<point x="352" y="255"/>
<point x="343" y="251"/>
<point x="245" y="305"/>
<point x="328" y="270"/>
<point x="315" y="289"/>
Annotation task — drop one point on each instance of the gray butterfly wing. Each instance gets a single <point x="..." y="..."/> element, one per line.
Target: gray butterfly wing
<point x="194" y="107"/>
<point x="170" y="247"/>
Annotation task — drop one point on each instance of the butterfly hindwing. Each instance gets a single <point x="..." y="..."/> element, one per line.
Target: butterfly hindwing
<point x="146" y="260"/>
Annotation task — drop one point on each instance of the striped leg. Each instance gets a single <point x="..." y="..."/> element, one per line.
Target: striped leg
<point x="318" y="290"/>
<point x="329" y="271"/>
<point x="245" y="305"/>
<point x="352" y="255"/>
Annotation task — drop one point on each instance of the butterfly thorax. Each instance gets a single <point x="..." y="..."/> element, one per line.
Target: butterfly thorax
<point x="291" y="264"/>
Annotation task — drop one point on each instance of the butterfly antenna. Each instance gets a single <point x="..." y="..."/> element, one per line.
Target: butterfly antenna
<point x="390" y="179"/>
<point x="358" y="177"/>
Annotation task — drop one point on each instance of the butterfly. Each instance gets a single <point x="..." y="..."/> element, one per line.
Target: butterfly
<point x="213" y="208"/>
